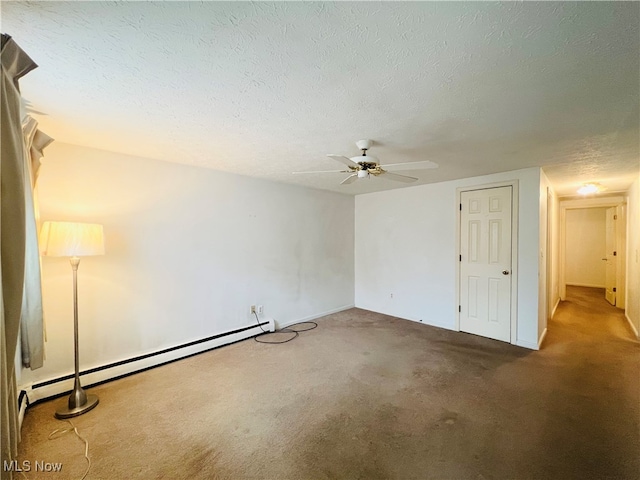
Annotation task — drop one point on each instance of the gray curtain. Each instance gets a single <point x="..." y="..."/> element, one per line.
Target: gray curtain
<point x="15" y="64"/>
<point x="31" y="321"/>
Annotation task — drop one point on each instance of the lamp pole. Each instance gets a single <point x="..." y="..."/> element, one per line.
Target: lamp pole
<point x="79" y="401"/>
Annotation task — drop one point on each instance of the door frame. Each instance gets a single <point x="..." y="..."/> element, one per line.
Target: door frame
<point x="611" y="248"/>
<point x="514" y="250"/>
<point x="550" y="305"/>
<point x="578" y="203"/>
<point x="621" y="270"/>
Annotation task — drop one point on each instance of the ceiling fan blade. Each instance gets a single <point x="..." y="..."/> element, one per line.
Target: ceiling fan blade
<point x="349" y="179"/>
<point x="398" y="178"/>
<point x="324" y="171"/>
<point x="347" y="161"/>
<point x="410" y="165"/>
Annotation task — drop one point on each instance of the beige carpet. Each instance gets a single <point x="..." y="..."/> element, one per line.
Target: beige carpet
<point x="367" y="396"/>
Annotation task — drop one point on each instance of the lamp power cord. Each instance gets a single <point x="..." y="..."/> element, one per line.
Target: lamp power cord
<point x="291" y="329"/>
<point x="58" y="432"/>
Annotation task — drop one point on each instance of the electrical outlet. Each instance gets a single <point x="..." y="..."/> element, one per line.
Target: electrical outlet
<point x="260" y="309"/>
<point x="252" y="309"/>
<point x="391" y="296"/>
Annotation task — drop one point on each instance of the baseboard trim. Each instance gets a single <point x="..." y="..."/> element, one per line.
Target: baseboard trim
<point x="553" y="311"/>
<point x="430" y="324"/>
<point x="280" y="325"/>
<point x="586" y="285"/>
<point x="544" y="334"/>
<point x="633" y="327"/>
<point x="421" y="321"/>
<point x="527" y="344"/>
<point x="55" y="387"/>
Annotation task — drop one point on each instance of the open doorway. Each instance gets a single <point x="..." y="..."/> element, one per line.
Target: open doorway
<point x="593" y="246"/>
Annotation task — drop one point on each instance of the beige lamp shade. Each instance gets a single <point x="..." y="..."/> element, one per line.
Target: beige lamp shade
<point x="68" y="239"/>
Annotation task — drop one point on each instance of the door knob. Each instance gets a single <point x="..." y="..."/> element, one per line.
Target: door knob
<point x="505" y="272"/>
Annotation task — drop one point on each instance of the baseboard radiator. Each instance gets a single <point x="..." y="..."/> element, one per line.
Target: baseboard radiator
<point x="23" y="403"/>
<point x="56" y="387"/>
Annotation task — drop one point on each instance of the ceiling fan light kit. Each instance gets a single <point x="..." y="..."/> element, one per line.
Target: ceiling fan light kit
<point x="365" y="165"/>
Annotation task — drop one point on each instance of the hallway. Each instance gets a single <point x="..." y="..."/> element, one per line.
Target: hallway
<point x="586" y="312"/>
<point x="596" y="401"/>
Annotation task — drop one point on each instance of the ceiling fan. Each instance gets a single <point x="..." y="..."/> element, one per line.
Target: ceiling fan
<point x="365" y="165"/>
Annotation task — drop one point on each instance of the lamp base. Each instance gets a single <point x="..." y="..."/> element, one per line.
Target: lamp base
<point x="66" y="412"/>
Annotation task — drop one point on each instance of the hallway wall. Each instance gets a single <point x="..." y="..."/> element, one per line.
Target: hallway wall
<point x="633" y="255"/>
<point x="548" y="285"/>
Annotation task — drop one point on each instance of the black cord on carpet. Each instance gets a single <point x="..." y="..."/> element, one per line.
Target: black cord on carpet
<point x="288" y="329"/>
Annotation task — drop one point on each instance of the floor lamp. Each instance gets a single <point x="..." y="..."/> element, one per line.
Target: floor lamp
<point x="75" y="240"/>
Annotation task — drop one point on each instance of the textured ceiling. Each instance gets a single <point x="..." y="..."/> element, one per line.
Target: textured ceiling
<point x="265" y="89"/>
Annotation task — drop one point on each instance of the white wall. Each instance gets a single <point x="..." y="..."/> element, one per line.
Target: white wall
<point x="548" y="292"/>
<point x="406" y="246"/>
<point x="586" y="247"/>
<point x="188" y="250"/>
<point x="633" y="256"/>
<point x="555" y="252"/>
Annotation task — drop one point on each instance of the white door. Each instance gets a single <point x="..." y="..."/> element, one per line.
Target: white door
<point x="610" y="273"/>
<point x="485" y="262"/>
